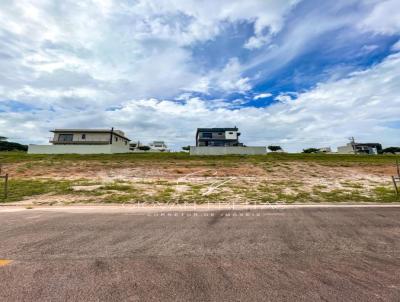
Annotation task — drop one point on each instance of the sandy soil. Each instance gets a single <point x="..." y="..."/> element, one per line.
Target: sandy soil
<point x="152" y="178"/>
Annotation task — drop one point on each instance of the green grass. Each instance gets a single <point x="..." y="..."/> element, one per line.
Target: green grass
<point x="227" y="160"/>
<point x="18" y="189"/>
<point x="164" y="190"/>
<point x="118" y="192"/>
<point x="118" y="187"/>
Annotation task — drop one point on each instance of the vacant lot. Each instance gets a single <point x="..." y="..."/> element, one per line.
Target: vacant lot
<point x="179" y="178"/>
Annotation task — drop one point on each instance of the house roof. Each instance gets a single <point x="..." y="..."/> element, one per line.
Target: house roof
<point x="368" y="144"/>
<point x="216" y="129"/>
<point x="115" y="132"/>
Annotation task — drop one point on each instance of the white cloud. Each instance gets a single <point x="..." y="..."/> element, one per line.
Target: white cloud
<point x="384" y="18"/>
<point x="76" y="59"/>
<point x="256" y="42"/>
<point x="207" y="16"/>
<point x="284" y="98"/>
<point x="262" y="96"/>
<point x="396" y="46"/>
<point x="365" y="104"/>
<point x="136" y="49"/>
<point x="228" y="80"/>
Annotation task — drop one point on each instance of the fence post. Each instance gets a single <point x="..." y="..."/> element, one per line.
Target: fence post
<point x="395" y="185"/>
<point x="6" y="186"/>
<point x="398" y="168"/>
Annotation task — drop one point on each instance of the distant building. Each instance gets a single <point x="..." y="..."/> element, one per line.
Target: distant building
<point x="325" y="150"/>
<point x="155" y="146"/>
<point x="159" y="146"/>
<point x="360" y="148"/>
<point x="217" y="137"/>
<point x="134" y="146"/>
<point x="84" y="141"/>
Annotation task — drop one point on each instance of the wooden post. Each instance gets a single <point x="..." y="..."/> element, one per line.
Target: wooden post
<point x="398" y="168"/>
<point x="395" y="185"/>
<point x="6" y="186"/>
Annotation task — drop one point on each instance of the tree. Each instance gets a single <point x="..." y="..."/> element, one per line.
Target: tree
<point x="392" y="150"/>
<point x="274" y="148"/>
<point x="9" y="146"/>
<point x="3" y="138"/>
<point x="186" y="148"/>
<point x="310" y="150"/>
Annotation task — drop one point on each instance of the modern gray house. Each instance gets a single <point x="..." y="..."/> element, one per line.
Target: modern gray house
<point x="222" y="141"/>
<point x="218" y="137"/>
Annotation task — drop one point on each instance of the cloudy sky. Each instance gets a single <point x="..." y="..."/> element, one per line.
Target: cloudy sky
<point x="298" y="73"/>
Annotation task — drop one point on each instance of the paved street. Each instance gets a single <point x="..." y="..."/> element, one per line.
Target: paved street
<point x="294" y="254"/>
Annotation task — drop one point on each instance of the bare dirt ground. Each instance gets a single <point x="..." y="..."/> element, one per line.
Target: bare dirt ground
<point x="106" y="172"/>
<point x="205" y="181"/>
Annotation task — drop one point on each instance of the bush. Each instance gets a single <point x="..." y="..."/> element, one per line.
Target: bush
<point x="310" y="150"/>
<point x="392" y="150"/>
<point x="10" y="146"/>
<point x="274" y="148"/>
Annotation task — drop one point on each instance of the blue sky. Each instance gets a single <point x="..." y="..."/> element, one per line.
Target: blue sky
<point x="299" y="73"/>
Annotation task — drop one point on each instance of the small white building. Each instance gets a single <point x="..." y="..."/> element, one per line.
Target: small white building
<point x="84" y="141"/>
<point x="155" y="146"/>
<point x="325" y="150"/>
<point x="158" y="146"/>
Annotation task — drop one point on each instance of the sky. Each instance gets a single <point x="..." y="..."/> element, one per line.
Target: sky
<point x="294" y="73"/>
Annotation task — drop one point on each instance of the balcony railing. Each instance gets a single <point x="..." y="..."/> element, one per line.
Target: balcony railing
<point x="55" y="142"/>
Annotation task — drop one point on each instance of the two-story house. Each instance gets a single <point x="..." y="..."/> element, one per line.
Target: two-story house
<point x="218" y="137"/>
<point x="89" y="137"/>
<point x="84" y="141"/>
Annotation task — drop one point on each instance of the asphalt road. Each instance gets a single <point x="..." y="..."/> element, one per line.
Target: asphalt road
<point x="299" y="254"/>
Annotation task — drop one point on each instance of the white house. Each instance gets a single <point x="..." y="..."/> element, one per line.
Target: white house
<point x="159" y="146"/>
<point x="84" y="141"/>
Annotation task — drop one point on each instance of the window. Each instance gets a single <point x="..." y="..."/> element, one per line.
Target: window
<point x="126" y="142"/>
<point x="116" y="139"/>
<point x="207" y="135"/>
<point x="83" y="136"/>
<point x="230" y="132"/>
<point x="220" y="133"/>
<point x="65" y="137"/>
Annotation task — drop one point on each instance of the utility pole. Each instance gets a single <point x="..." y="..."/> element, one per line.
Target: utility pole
<point x="353" y="143"/>
<point x="111" y="135"/>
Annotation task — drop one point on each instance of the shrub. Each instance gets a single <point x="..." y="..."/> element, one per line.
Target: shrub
<point x="310" y="150"/>
<point x="274" y="148"/>
<point x="10" y="146"/>
<point x="392" y="150"/>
